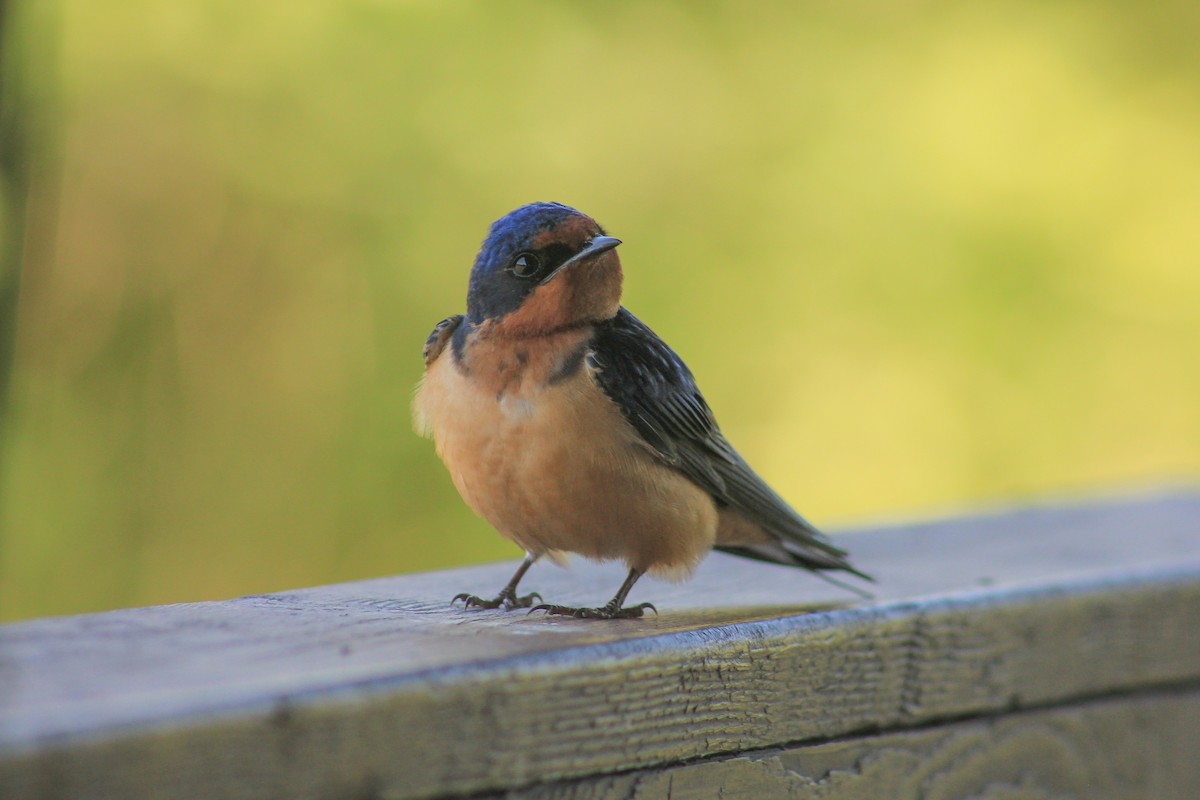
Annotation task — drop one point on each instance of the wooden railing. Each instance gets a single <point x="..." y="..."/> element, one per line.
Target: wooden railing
<point x="1052" y="651"/>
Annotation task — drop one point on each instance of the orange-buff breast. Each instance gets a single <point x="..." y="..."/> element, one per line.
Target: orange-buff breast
<point x="553" y="465"/>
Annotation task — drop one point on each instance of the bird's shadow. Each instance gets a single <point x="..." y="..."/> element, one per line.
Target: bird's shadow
<point x="684" y="619"/>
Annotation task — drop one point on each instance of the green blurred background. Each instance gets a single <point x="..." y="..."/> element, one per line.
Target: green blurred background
<point x="919" y="255"/>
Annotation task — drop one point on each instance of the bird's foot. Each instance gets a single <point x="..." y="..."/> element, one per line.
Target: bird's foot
<point x="609" y="611"/>
<point x="506" y="600"/>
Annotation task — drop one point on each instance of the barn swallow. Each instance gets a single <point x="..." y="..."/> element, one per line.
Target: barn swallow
<point x="571" y="427"/>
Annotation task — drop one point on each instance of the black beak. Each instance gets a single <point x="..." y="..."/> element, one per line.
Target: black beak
<point x="598" y="245"/>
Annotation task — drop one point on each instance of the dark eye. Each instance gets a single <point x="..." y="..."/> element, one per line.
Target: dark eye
<point x="526" y="265"/>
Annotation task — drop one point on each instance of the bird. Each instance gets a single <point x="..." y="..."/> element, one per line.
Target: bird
<point x="570" y="427"/>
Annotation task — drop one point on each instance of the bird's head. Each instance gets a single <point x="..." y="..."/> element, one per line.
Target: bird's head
<point x="542" y="268"/>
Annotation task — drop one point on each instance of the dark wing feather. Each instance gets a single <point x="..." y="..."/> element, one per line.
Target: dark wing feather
<point x="658" y="396"/>
<point x="441" y="334"/>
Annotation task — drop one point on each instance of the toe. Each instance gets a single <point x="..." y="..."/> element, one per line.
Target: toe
<point x="525" y="601"/>
<point x="474" y="601"/>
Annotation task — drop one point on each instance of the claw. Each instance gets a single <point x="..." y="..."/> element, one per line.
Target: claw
<point x="606" y="612"/>
<point x="646" y="606"/>
<point x="507" y="601"/>
<point x="524" y="601"/>
<point x="473" y="601"/>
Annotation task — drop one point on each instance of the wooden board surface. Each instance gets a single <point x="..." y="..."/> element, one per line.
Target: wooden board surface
<point x="1139" y="748"/>
<point x="382" y="687"/>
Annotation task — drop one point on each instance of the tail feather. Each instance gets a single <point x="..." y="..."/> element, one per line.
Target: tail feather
<point x="819" y="562"/>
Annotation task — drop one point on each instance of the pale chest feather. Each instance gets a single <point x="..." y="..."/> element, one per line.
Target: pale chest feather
<point x="535" y="448"/>
<point x="517" y="418"/>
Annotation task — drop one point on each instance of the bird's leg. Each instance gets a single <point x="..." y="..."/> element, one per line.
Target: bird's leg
<point x="507" y="599"/>
<point x="613" y="610"/>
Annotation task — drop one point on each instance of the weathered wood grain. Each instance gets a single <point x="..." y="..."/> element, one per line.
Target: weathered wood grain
<point x="379" y="688"/>
<point x="1138" y="748"/>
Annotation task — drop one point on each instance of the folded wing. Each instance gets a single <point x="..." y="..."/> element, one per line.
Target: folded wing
<point x="659" y="397"/>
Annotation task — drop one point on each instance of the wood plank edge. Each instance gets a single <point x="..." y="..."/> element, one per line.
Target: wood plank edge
<point x="857" y="765"/>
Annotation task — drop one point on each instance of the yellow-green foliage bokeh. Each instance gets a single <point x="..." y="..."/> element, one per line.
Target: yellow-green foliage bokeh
<point x="918" y="255"/>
